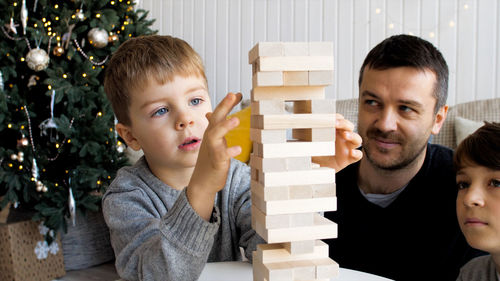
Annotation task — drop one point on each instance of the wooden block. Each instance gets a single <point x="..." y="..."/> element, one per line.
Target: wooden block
<point x="269" y="193"/>
<point x="266" y="49"/>
<point x="300" y="177"/>
<point x="293" y="149"/>
<point x="268" y="78"/>
<point x="322" y="229"/>
<point x="269" y="253"/>
<point x="288" y="93"/>
<point x="297" y="49"/>
<point x="295" y="63"/>
<point x="321" y="77"/>
<point x="314" y="135"/>
<point x="268" y="136"/>
<point x="292" y="121"/>
<point x="324" y="190"/>
<point x="268" y="107"/>
<point x="280" y="164"/>
<point x="321" y="48"/>
<point x="294" y="206"/>
<point x="300" y="247"/>
<point x="326" y="106"/>
<point x="325" y="268"/>
<point x="281" y="221"/>
<point x="303" y="270"/>
<point x="274" y="271"/>
<point x="295" y="78"/>
<point x="300" y="191"/>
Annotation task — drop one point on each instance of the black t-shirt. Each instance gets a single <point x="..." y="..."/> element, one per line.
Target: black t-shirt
<point x="416" y="237"/>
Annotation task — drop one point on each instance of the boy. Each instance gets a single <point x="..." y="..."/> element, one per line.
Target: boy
<point x="477" y="160"/>
<point x="186" y="201"/>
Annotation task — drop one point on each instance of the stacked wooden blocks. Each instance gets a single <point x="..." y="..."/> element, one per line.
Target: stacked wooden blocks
<point x="288" y="190"/>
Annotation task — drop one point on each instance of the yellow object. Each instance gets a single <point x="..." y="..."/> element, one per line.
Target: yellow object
<point x="241" y="135"/>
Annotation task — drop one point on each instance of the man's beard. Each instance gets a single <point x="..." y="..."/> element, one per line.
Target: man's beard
<point x="408" y="155"/>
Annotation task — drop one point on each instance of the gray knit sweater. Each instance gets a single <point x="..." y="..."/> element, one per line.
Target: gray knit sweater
<point x="156" y="235"/>
<point x="478" y="269"/>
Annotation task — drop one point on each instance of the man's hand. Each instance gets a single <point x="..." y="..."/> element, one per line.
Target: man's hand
<point x="210" y="173"/>
<point x="346" y="144"/>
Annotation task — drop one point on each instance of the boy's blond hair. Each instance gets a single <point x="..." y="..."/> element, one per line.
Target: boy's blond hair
<point x="140" y="61"/>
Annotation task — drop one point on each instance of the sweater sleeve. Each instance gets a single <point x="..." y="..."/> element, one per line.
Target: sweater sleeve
<point x="149" y="247"/>
<point x="248" y="238"/>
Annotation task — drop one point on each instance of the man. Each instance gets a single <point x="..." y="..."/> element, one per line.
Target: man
<point x="396" y="207"/>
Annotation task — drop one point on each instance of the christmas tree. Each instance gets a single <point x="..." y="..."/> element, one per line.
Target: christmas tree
<point x="59" y="150"/>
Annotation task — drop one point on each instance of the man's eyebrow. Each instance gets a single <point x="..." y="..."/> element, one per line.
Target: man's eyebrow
<point x="366" y="93"/>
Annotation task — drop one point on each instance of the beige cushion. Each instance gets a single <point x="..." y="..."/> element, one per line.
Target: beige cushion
<point x="465" y="127"/>
<point x="480" y="110"/>
<point x="349" y="109"/>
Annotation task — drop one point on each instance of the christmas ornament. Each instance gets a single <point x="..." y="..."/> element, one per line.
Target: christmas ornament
<point x="34" y="5"/>
<point x="1" y="81"/>
<point x="32" y="80"/>
<point x="58" y="50"/>
<point x="37" y="59"/>
<point x="23" y="141"/>
<point x="113" y="38"/>
<point x="48" y="126"/>
<point x="67" y="36"/>
<point x="80" y="14"/>
<point x="98" y="37"/>
<point x="19" y="157"/>
<point x="24" y="16"/>
<point x="71" y="206"/>
<point x="12" y="26"/>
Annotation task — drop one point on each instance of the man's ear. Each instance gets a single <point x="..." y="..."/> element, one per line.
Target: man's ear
<point x="439" y="119"/>
<point x="126" y="134"/>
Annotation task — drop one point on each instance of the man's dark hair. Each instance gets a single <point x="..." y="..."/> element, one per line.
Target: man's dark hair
<point x="411" y="51"/>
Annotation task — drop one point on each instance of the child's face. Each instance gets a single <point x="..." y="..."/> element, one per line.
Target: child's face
<point x="478" y="207"/>
<point x="168" y="122"/>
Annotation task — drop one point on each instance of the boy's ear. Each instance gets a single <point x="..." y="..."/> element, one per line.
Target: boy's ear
<point x="126" y="134"/>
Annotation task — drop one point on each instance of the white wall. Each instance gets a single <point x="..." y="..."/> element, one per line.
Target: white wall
<point x="223" y="31"/>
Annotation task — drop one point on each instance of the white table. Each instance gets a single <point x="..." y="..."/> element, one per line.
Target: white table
<point x="242" y="271"/>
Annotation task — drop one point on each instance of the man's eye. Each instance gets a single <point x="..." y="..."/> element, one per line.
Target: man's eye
<point x="160" y="111"/>
<point x="196" y="101"/>
<point x="405" y="108"/>
<point x="370" y="102"/>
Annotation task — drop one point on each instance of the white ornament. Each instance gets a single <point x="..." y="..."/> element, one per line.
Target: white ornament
<point x="54" y="248"/>
<point x="98" y="37"/>
<point x="37" y="59"/>
<point x="42" y="250"/>
<point x="72" y="206"/>
<point x="43" y="229"/>
<point x="24" y="16"/>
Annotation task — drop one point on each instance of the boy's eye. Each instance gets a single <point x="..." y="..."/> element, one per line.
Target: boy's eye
<point x="495" y="182"/>
<point x="160" y="111"/>
<point x="196" y="101"/>
<point x="462" y="185"/>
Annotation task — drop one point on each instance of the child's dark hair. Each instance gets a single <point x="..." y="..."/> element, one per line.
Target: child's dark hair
<point x="480" y="148"/>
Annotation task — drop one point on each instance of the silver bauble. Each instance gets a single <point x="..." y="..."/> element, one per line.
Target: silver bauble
<point x="37" y="59"/>
<point x="98" y="37"/>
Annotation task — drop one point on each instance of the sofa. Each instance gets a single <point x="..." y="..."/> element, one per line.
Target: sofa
<point x="462" y="118"/>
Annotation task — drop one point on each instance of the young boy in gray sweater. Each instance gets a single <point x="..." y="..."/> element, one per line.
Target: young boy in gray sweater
<point x="186" y="201"/>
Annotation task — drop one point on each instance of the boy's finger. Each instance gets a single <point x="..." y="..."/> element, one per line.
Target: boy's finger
<point x="224" y="127"/>
<point x="225" y="106"/>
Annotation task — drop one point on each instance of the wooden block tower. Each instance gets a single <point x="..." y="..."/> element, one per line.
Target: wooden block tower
<point x="288" y="190"/>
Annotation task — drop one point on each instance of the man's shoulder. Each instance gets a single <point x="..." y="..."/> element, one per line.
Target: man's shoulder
<point x="479" y="268"/>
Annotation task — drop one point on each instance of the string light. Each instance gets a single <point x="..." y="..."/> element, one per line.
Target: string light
<point x="466" y="7"/>
<point x="15" y="4"/>
<point x="99" y="114"/>
<point x="57" y="18"/>
<point x="69" y="140"/>
<point x="49" y="87"/>
<point x="22" y="58"/>
<point x="9" y="126"/>
<point x="56" y="6"/>
<point x="432" y="34"/>
<point x="452" y="23"/>
<point x="377" y="11"/>
<point x="84" y="74"/>
<point x="98" y="15"/>
<point x="98" y="182"/>
<point x="10" y="165"/>
<point x="57" y="145"/>
<point x="65" y="76"/>
<point x="20" y="167"/>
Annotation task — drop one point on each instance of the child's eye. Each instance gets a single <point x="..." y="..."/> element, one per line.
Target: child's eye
<point x="160" y="111"/>
<point x="495" y="183"/>
<point x="196" y="101"/>
<point x="462" y="185"/>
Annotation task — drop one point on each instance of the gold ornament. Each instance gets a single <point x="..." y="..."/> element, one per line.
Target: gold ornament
<point x="37" y="59"/>
<point x="98" y="37"/>
<point x="113" y="38"/>
<point x="58" y="51"/>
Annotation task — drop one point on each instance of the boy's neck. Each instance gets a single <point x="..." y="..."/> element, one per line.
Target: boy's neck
<point x="176" y="178"/>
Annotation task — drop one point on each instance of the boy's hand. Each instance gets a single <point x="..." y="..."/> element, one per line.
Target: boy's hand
<point x="346" y="144"/>
<point x="210" y="173"/>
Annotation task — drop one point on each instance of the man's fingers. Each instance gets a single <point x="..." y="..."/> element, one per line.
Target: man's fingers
<point x="344" y="124"/>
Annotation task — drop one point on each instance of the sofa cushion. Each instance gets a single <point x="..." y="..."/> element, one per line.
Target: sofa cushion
<point x="480" y="110"/>
<point x="464" y="127"/>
